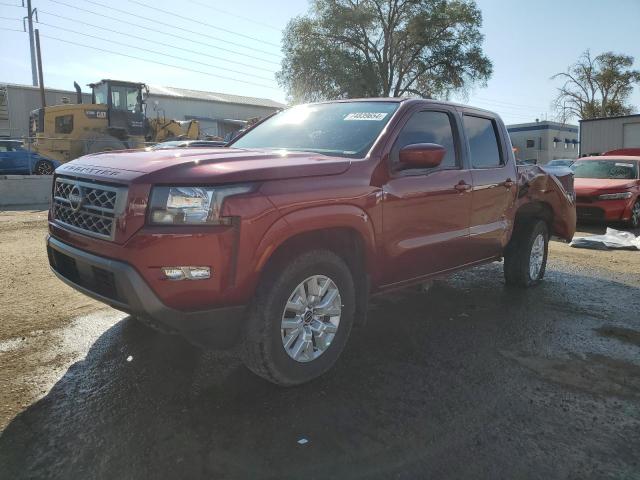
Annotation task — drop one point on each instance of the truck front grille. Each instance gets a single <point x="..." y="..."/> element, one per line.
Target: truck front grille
<point x="86" y="207"/>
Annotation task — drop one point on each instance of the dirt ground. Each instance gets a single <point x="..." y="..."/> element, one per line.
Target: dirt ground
<point x="468" y="380"/>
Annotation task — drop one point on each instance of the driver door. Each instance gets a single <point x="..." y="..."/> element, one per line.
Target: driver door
<point x="426" y="212"/>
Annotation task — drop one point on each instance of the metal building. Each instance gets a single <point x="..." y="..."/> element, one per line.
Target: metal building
<point x="19" y="100"/>
<point x="540" y="142"/>
<point x="218" y="113"/>
<point x="599" y="135"/>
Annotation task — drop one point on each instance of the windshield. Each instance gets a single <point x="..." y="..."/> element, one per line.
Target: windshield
<point x="611" y="169"/>
<point x="560" y="163"/>
<point x="345" y="129"/>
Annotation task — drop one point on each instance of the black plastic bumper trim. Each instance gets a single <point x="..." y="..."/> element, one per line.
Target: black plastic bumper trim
<point x="219" y="327"/>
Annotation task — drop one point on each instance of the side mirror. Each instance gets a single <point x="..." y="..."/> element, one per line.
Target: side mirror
<point x="422" y="155"/>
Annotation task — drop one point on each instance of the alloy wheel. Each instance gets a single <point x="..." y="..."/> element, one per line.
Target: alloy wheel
<point x="311" y="318"/>
<point x="44" y="168"/>
<point x="635" y="215"/>
<point x="536" y="257"/>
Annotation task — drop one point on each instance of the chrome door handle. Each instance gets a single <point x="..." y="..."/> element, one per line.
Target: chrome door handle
<point x="462" y="186"/>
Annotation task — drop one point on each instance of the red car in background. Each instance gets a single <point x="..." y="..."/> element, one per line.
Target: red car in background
<point x="608" y="189"/>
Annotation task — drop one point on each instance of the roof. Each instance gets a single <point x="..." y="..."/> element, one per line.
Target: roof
<point x="634" y="115"/>
<point x="543" y="125"/>
<point x="178" y="93"/>
<point x="160" y="91"/>
<point x="611" y="157"/>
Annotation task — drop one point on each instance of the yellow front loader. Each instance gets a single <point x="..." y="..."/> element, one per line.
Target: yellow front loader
<point x="114" y="120"/>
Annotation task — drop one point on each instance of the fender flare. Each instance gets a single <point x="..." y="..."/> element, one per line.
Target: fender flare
<point x="317" y="218"/>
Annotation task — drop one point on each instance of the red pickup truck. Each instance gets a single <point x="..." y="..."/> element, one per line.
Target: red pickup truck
<point x="275" y="243"/>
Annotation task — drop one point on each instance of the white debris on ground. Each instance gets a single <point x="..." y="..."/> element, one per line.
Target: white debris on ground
<point x="612" y="239"/>
<point x="302" y="441"/>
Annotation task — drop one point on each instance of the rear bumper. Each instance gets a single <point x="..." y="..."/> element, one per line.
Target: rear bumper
<point x="120" y="286"/>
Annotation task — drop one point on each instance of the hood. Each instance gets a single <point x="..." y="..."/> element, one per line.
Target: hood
<point x="592" y="186"/>
<point x="203" y="165"/>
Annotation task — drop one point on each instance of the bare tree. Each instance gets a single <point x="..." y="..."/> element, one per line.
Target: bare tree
<point x="596" y="87"/>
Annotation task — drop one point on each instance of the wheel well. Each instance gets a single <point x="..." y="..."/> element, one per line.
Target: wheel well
<point x="345" y="242"/>
<point x="535" y="210"/>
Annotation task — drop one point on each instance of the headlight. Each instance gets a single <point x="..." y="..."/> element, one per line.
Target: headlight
<point x="191" y="205"/>
<point x="614" y="196"/>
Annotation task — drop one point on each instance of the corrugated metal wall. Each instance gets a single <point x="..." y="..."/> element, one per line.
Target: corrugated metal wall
<point x="184" y="108"/>
<point x="21" y="100"/>
<point x="606" y="134"/>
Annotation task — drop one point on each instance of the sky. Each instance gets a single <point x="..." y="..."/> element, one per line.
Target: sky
<point x="234" y="47"/>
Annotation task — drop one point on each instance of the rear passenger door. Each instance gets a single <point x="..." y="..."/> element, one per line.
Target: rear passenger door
<point x="494" y="185"/>
<point x="7" y="160"/>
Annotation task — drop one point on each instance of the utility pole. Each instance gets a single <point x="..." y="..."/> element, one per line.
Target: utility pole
<point x="41" y="81"/>
<point x="29" y="18"/>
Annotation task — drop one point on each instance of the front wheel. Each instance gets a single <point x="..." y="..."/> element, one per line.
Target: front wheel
<point x="634" y="221"/>
<point x="525" y="258"/>
<point x="300" y="319"/>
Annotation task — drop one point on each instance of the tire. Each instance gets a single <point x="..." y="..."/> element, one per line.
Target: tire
<point x="634" y="221"/>
<point x="101" y="143"/>
<point x="263" y="349"/>
<point x="43" y="167"/>
<point x="520" y="267"/>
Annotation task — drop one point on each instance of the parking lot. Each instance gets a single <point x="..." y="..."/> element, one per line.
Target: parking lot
<point x="468" y="380"/>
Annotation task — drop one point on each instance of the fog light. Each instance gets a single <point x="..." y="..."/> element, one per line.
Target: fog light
<point x="186" y="273"/>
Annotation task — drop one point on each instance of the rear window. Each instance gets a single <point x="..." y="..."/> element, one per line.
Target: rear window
<point x="607" y="169"/>
<point x="483" y="142"/>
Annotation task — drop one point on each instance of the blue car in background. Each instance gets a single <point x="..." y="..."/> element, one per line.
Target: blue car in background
<point x="17" y="160"/>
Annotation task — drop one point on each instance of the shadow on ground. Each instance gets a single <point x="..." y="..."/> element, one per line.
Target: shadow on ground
<point x="470" y="380"/>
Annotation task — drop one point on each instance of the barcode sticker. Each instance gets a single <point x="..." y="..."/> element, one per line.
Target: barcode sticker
<point x="376" y="117"/>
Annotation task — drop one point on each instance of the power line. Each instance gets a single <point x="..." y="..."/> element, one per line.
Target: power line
<point x="109" y="7"/>
<point x="225" y="12"/>
<point x="152" y="41"/>
<point x="10" y="18"/>
<point x="155" y="30"/>
<point x="115" y="42"/>
<point x="506" y="103"/>
<point x="178" y="67"/>
<point x="148" y="50"/>
<point x="190" y="19"/>
<point x="11" y="29"/>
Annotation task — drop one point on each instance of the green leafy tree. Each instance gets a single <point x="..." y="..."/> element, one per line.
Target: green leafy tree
<point x="596" y="86"/>
<point x="380" y="48"/>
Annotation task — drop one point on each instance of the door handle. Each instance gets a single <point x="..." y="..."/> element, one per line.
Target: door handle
<point x="508" y="183"/>
<point x="462" y="186"/>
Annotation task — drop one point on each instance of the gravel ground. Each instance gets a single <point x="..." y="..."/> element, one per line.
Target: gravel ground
<point x="469" y="380"/>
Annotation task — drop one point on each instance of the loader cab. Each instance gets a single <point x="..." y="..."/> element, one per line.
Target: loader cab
<point x="125" y="106"/>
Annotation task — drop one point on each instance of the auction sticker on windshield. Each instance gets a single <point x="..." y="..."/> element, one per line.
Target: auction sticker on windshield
<point x="366" y="116"/>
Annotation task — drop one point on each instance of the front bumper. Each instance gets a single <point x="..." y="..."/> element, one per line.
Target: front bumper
<point x="604" y="210"/>
<point x="120" y="286"/>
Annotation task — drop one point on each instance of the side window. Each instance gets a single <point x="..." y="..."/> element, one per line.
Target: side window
<point x="64" y="124"/>
<point x="483" y="142"/>
<point x="427" y="127"/>
<point x="4" y="148"/>
<point x="531" y="143"/>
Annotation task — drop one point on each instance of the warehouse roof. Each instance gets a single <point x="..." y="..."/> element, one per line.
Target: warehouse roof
<point x="180" y="93"/>
<point x="213" y="96"/>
